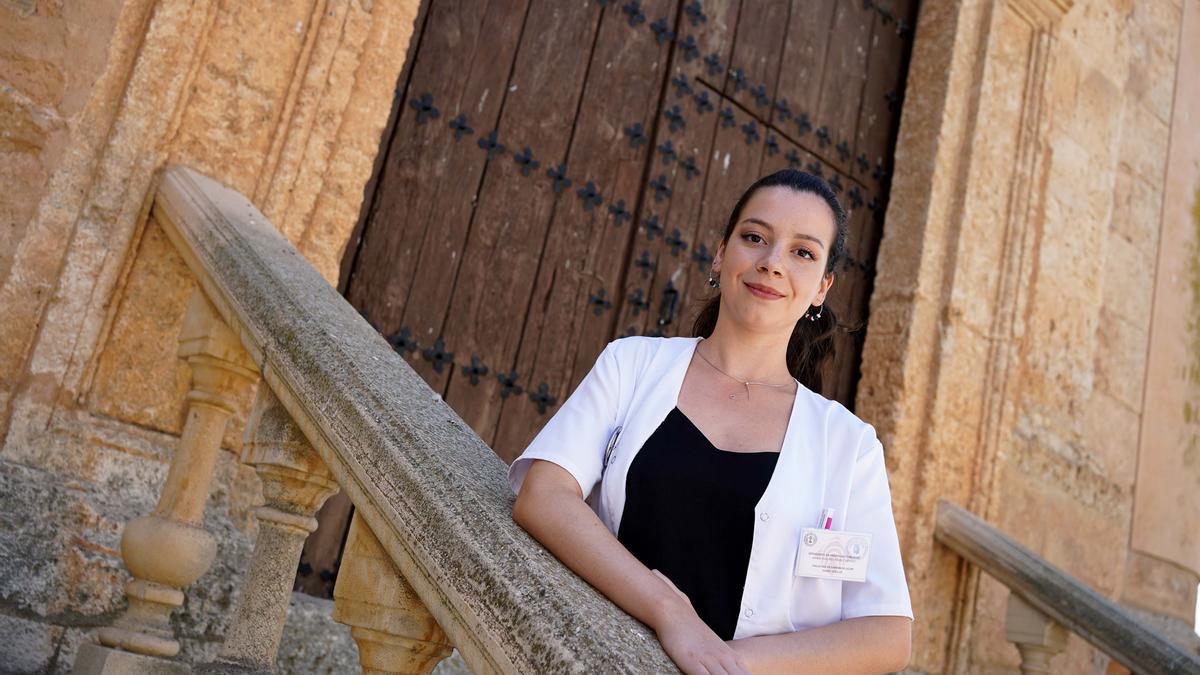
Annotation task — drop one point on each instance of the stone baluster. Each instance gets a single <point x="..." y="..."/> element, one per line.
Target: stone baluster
<point x="295" y="483"/>
<point x="394" y="631"/>
<point x="1038" y="637"/>
<point x="168" y="550"/>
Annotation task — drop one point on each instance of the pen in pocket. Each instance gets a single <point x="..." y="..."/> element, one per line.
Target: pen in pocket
<point x="826" y="518"/>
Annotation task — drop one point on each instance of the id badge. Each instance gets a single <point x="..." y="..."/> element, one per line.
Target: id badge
<point x="833" y="554"/>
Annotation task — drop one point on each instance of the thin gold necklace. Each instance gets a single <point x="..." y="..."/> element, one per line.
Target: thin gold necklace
<point x="746" y="383"/>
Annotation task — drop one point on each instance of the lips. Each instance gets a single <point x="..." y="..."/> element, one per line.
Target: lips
<point x="765" y="292"/>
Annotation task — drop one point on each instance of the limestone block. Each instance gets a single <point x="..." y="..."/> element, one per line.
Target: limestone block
<point x="1144" y="139"/>
<point x="1121" y="355"/>
<point x="1153" y="40"/>
<point x="1137" y="205"/>
<point x="1110" y="436"/>
<point x="1094" y="121"/>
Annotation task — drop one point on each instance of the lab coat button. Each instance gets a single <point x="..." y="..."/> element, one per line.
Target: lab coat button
<point x="764" y="516"/>
<point x="749" y="613"/>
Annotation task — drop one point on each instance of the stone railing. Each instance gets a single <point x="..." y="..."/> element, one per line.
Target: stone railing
<point x="1044" y="603"/>
<point x="433" y="558"/>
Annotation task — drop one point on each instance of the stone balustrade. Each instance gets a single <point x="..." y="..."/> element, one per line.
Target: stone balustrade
<point x="1045" y="603"/>
<point x="433" y="558"/>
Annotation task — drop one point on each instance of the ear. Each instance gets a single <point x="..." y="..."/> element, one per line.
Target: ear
<point x="826" y="283"/>
<point x="719" y="255"/>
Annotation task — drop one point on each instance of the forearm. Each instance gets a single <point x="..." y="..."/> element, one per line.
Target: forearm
<point x="870" y="644"/>
<point x="565" y="525"/>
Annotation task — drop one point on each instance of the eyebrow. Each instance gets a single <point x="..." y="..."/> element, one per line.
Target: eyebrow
<point x="767" y="225"/>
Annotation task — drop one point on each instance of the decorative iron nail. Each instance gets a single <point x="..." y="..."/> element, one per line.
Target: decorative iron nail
<point x="675" y="118"/>
<point x="843" y="150"/>
<point x="639" y="302"/>
<point x="856" y="199"/>
<point x="645" y="263"/>
<point x="785" y="111"/>
<point x="438" y="356"/>
<point x="662" y="32"/>
<point x="634" y="9"/>
<point x="880" y="173"/>
<point x="676" y="242"/>
<point x="727" y="119"/>
<point x="893" y="100"/>
<point x="873" y="204"/>
<point x="619" y="212"/>
<point x="424" y="107"/>
<point x="459" y="125"/>
<point x="653" y="227"/>
<point x="815" y="169"/>
<point x="629" y="332"/>
<point x="403" y="341"/>
<point x="695" y="13"/>
<point x="690" y="50"/>
<point x="508" y="384"/>
<point x="661" y="189"/>
<point x="703" y="105"/>
<point x="327" y="575"/>
<point x="886" y="15"/>
<point x="667" y="150"/>
<point x="738" y="77"/>
<point x="590" y="196"/>
<point x="772" y="144"/>
<point x="793" y="158"/>
<point x="823" y="136"/>
<point x="803" y="124"/>
<point x="751" y="130"/>
<point x="559" y="175"/>
<point x="760" y="95"/>
<point x="526" y="161"/>
<point x="836" y="184"/>
<point x="713" y="61"/>
<point x="475" y="369"/>
<point x="367" y="317"/>
<point x="304" y="569"/>
<point x="690" y="170"/>
<point x="903" y="29"/>
<point x="636" y="135"/>
<point x="656" y="333"/>
<point x="542" y="398"/>
<point x="868" y="4"/>
<point x="682" y="86"/>
<point x="599" y="302"/>
<point x="489" y="143"/>
<point x="670" y="299"/>
<point x="702" y="257"/>
<point x="863" y="163"/>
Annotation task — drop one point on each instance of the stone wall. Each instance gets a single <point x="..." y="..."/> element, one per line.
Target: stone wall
<point x="1006" y="360"/>
<point x="286" y="105"/>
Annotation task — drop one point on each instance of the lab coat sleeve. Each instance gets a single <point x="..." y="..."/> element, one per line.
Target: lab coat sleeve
<point x="885" y="592"/>
<point x="576" y="436"/>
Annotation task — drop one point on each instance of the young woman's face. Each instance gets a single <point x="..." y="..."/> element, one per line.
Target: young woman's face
<point x="773" y="267"/>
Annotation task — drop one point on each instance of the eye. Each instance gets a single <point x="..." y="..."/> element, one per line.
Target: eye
<point x="806" y="253"/>
<point x="756" y="239"/>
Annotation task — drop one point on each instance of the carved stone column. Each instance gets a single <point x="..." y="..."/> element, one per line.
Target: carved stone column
<point x="295" y="483"/>
<point x="394" y="631"/>
<point x="1038" y="637"/>
<point x="168" y="550"/>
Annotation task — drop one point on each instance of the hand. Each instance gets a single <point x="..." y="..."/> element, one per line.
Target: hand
<point x="697" y="650"/>
<point x="693" y="646"/>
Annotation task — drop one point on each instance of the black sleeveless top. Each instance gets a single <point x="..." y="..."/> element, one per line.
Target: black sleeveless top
<point x="689" y="513"/>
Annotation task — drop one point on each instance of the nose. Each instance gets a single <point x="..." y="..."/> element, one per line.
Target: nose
<point x="771" y="261"/>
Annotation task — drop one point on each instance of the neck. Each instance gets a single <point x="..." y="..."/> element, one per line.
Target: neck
<point x="746" y="355"/>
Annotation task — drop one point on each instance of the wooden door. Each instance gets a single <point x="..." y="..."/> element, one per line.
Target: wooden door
<point x="557" y="175"/>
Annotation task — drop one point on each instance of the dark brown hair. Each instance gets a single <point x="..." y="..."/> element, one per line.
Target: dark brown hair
<point x="812" y="341"/>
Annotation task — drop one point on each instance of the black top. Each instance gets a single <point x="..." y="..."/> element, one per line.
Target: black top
<point x="689" y="513"/>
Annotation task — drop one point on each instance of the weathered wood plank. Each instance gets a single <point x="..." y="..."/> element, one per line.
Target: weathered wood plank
<point x="803" y="55"/>
<point x="842" y="84"/>
<point x="755" y="64"/>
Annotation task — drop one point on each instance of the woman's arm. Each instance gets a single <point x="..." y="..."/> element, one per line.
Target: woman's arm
<point x="868" y="644"/>
<point x="550" y="507"/>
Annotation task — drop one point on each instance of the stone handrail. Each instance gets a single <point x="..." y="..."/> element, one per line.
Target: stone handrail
<point x="1043" y="589"/>
<point x="432" y="496"/>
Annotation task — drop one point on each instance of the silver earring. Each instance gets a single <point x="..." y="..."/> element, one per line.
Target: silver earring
<point x="712" y="281"/>
<point x="810" y="316"/>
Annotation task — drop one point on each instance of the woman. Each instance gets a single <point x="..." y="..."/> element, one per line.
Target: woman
<point x="704" y="459"/>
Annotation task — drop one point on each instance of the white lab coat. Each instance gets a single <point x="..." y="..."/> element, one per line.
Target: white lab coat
<point x="829" y="458"/>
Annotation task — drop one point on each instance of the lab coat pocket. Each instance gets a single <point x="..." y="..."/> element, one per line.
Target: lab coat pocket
<point x="815" y="602"/>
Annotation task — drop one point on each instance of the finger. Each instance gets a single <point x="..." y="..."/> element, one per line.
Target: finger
<point x="715" y="667"/>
